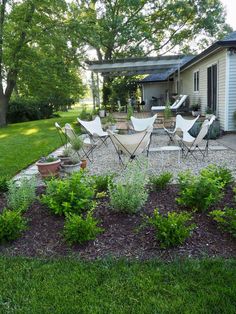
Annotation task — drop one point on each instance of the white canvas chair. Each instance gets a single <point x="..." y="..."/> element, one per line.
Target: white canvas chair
<point x="94" y="129"/>
<point x="71" y="136"/>
<point x="142" y="124"/>
<point x="181" y="124"/>
<point x="190" y="144"/>
<point x="176" y="105"/>
<point x="131" y="145"/>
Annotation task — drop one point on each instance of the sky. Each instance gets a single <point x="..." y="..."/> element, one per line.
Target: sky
<point x="231" y="12"/>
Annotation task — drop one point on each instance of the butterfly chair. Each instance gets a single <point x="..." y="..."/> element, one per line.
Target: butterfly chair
<point x="94" y="129"/>
<point x="142" y="124"/>
<point x="131" y="145"/>
<point x="72" y="136"/>
<point x="181" y="124"/>
<point x="190" y="144"/>
<point x="176" y="105"/>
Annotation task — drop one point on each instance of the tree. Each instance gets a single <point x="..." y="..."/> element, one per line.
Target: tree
<point x="37" y="55"/>
<point x="131" y="28"/>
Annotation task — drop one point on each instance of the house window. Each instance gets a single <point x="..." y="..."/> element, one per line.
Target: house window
<point x="196" y="81"/>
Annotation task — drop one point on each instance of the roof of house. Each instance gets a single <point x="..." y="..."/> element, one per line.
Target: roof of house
<point x="163" y="76"/>
<point x="227" y="42"/>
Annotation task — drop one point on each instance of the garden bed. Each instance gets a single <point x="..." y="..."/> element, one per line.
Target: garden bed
<point x="122" y="236"/>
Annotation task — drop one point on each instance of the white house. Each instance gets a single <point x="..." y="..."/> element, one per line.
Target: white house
<point x="209" y="79"/>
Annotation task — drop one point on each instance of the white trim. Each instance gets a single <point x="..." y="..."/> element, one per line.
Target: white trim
<point x="204" y="57"/>
<point x="226" y="126"/>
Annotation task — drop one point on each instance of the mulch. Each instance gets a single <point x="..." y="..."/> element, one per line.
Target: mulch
<point x="122" y="236"/>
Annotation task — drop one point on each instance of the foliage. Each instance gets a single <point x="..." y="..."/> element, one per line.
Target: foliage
<point x="76" y="143"/>
<point x="12" y="224"/>
<point x="160" y="182"/>
<point x="21" y="194"/>
<point x="209" y="110"/>
<point x="3" y="184"/>
<point x="199" y="192"/>
<point x="38" y="138"/>
<point x="221" y="173"/>
<point x="85" y="114"/>
<point x="121" y="89"/>
<point x="50" y="158"/>
<point x="196" y="107"/>
<point x="173" y="229"/>
<point x="79" y="229"/>
<point x="21" y="110"/>
<point x="130" y="112"/>
<point x="101" y="182"/>
<point x="167" y="112"/>
<point x="71" y="195"/>
<point x="122" y="29"/>
<point x="138" y="27"/>
<point x="128" y="192"/>
<point x="226" y="219"/>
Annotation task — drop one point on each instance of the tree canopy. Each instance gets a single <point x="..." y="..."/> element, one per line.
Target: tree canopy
<point x="42" y="43"/>
<point x="120" y="28"/>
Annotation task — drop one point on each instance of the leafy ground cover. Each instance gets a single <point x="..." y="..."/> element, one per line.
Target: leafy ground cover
<point x="122" y="236"/>
<point x="21" y="144"/>
<point x="72" y="286"/>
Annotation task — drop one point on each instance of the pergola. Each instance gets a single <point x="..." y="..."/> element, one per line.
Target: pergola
<point x="129" y="67"/>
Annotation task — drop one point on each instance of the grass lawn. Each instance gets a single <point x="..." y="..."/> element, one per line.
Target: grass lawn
<point x="71" y="286"/>
<point x="21" y="144"/>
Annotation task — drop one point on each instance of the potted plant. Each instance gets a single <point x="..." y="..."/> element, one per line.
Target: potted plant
<point x="49" y="166"/>
<point x="110" y="122"/>
<point x="71" y="165"/>
<point x="209" y="113"/>
<point x="83" y="163"/>
<point x="167" y="116"/>
<point x="76" y="143"/>
<point x="102" y="112"/>
<point x="196" y="110"/>
<point x="66" y="154"/>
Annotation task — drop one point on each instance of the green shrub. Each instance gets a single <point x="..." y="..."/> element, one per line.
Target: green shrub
<point x="12" y="224"/>
<point x="130" y="112"/>
<point x="199" y="192"/>
<point x="80" y="229"/>
<point x="74" y="194"/>
<point x="85" y="115"/>
<point x="101" y="182"/>
<point x="160" y="182"/>
<point x="128" y="192"/>
<point x="173" y="229"/>
<point x="226" y="219"/>
<point x="3" y="184"/>
<point x="222" y="174"/>
<point x="22" y="194"/>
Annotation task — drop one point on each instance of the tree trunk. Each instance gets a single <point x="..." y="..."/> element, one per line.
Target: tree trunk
<point x="3" y="110"/>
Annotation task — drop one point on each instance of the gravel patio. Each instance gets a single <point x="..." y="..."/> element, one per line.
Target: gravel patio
<point x="105" y="159"/>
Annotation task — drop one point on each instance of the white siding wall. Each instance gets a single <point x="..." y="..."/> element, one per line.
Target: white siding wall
<point x="231" y="97"/>
<point x="218" y="58"/>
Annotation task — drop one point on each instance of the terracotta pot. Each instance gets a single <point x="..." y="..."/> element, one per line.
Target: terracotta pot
<point x="83" y="164"/>
<point x="49" y="169"/>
